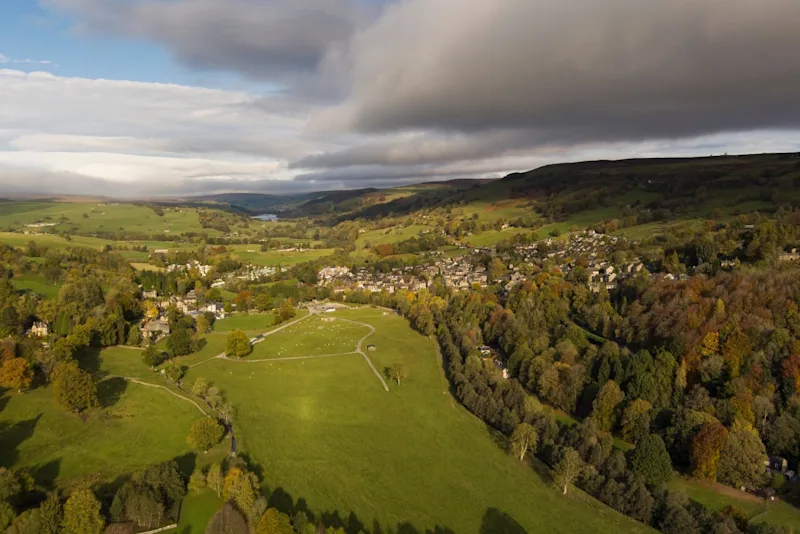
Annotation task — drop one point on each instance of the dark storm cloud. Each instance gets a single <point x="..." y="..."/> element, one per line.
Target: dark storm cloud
<point x="575" y="71"/>
<point x="263" y="39"/>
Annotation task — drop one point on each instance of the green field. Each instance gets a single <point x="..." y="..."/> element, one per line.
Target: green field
<point x="311" y="337"/>
<point x="87" y="217"/>
<point x="324" y="430"/>
<point x="717" y="496"/>
<point x="255" y="321"/>
<point x="35" y="283"/>
<point x="196" y="511"/>
<point x="492" y="237"/>
<point x="252" y="254"/>
<point x="51" y="241"/>
<point x="136" y="426"/>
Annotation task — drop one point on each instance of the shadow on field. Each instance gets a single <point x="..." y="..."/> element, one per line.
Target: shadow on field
<point x="46" y="474"/>
<point x="89" y="360"/>
<point x="499" y="439"/>
<point x="12" y="436"/>
<point x="283" y="501"/>
<point x="497" y="522"/>
<point x="110" y="391"/>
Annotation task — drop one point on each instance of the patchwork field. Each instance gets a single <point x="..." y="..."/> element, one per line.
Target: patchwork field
<point x="96" y="217"/>
<point x="252" y="254"/>
<point x="324" y="430"/>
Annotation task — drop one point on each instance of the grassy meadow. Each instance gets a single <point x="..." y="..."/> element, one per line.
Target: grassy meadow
<point x="324" y="430"/>
<point x="135" y="426"/>
<point x="35" y="283"/>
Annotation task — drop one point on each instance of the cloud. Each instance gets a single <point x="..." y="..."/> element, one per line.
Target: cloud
<point x="26" y="61"/>
<point x="157" y="137"/>
<point x="572" y="71"/>
<point x="275" y="39"/>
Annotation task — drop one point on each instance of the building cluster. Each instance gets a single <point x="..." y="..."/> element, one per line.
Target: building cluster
<point x="596" y="249"/>
<point x="186" y="267"/>
<point x="456" y="272"/>
<point x="342" y="278"/>
<point x="253" y="273"/>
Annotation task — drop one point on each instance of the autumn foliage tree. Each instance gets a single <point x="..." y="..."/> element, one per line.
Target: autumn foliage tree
<point x="205" y="433"/>
<point x="706" y="447"/>
<point x="238" y="344"/>
<point x="73" y="388"/>
<point x="16" y="373"/>
<point x="82" y="514"/>
<point x="605" y="405"/>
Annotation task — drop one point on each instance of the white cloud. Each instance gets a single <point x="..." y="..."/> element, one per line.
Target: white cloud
<point x="149" y="134"/>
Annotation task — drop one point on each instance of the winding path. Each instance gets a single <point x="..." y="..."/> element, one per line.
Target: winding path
<point x="359" y="350"/>
<point x="151" y="385"/>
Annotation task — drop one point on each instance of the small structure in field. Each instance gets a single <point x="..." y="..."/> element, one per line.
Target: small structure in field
<point x="372" y="348"/>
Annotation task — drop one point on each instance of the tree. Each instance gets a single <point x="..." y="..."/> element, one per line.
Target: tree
<point x="134" y="337"/>
<point x="651" y="461"/>
<point x="82" y="514"/>
<point x="524" y="439"/>
<point x="397" y="372"/>
<point x="227" y="411"/>
<point x="16" y="373"/>
<point x="205" y="433"/>
<point x="286" y="310"/>
<point x="197" y="482"/>
<point x="274" y="522"/>
<point x="215" y="480"/>
<point x="242" y="488"/>
<point x="179" y="342"/>
<point x="635" y="420"/>
<point x="73" y="388"/>
<point x="706" y="448"/>
<point x="50" y="515"/>
<point x="605" y="404"/>
<point x="568" y="469"/>
<point x="200" y="387"/>
<point x="741" y="461"/>
<point x="238" y="345"/>
<point x="203" y="325"/>
<point x="228" y="520"/>
<point x="173" y="371"/>
<point x="152" y="357"/>
<point x="7" y="515"/>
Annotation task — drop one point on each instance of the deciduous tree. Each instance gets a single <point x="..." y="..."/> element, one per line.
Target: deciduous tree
<point x="228" y="520"/>
<point x="706" y="448"/>
<point x="605" y="405"/>
<point x="238" y="344"/>
<point x="741" y="461"/>
<point x="73" y="388"/>
<point x="16" y="373"/>
<point x="215" y="479"/>
<point x="274" y="522"/>
<point x="82" y="514"/>
<point x="524" y="439"/>
<point x="241" y="487"/>
<point x="397" y="372"/>
<point x="568" y="469"/>
<point x="635" y="420"/>
<point x="205" y="433"/>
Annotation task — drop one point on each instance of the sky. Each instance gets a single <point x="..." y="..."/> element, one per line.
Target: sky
<point x="148" y="98"/>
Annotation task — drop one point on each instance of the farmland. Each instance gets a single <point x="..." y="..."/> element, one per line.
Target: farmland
<point x="324" y="430"/>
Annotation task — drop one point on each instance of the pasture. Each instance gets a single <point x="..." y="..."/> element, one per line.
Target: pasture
<point x="718" y="496"/>
<point x="325" y="431"/>
<point x="135" y="426"/>
<point x="272" y="258"/>
<point x="35" y="283"/>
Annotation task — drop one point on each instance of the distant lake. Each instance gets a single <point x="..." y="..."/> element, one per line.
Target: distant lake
<point x="267" y="217"/>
